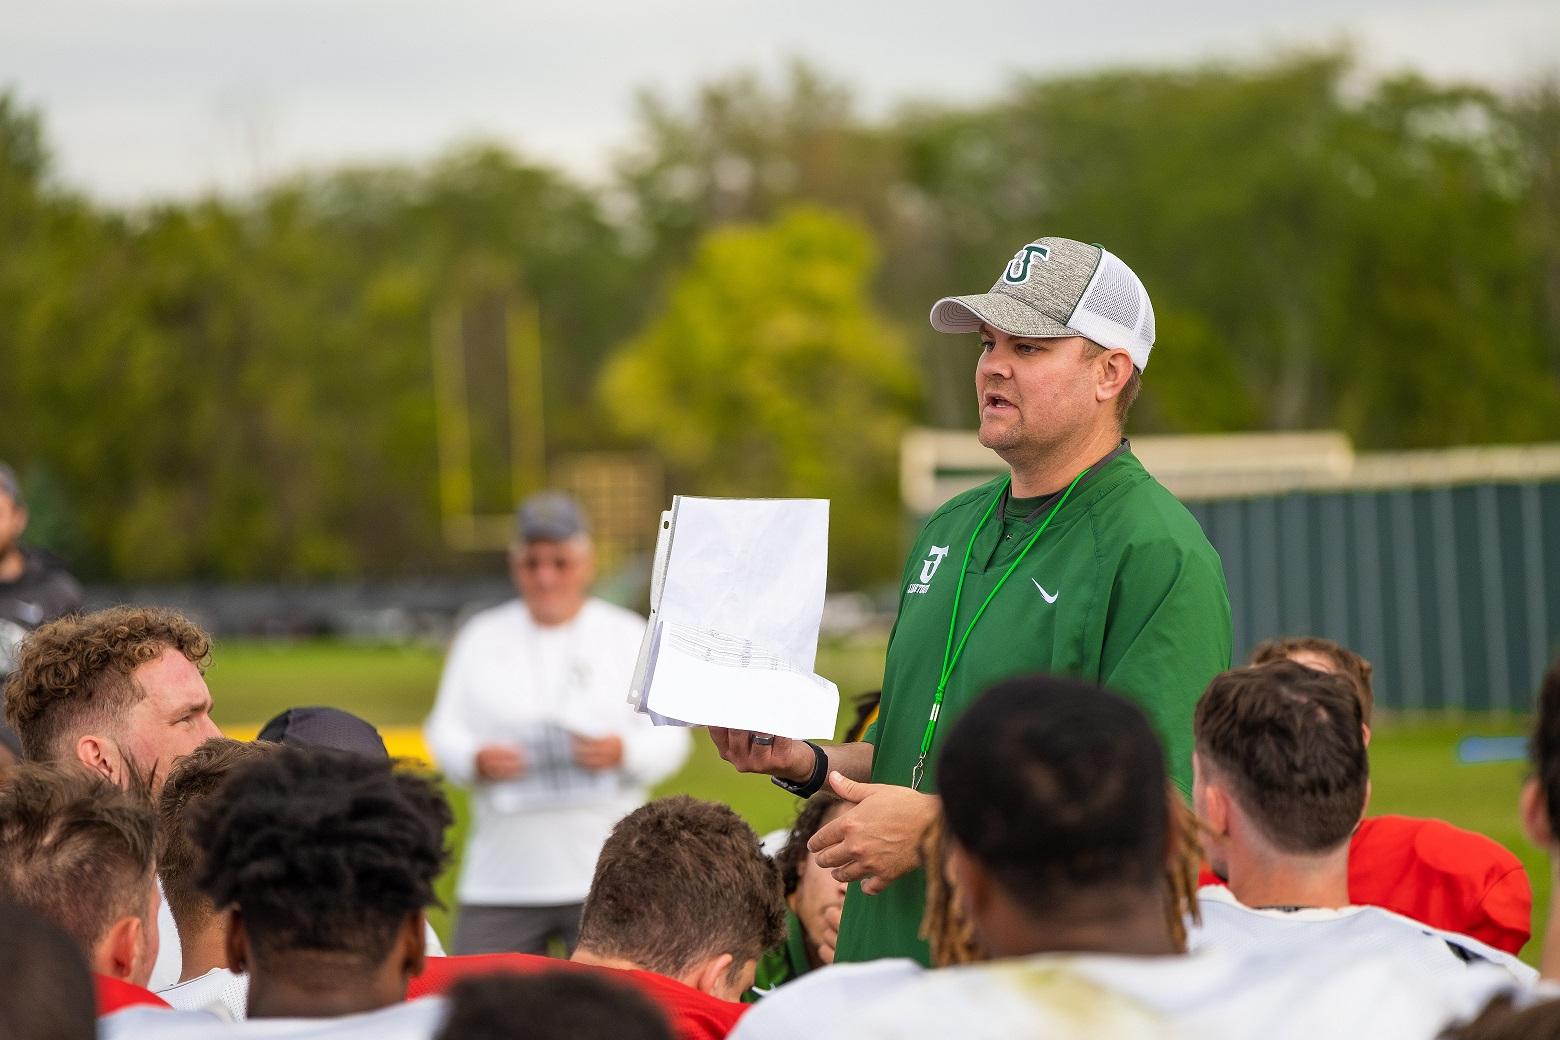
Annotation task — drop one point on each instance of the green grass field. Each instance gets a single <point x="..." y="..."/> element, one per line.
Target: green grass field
<point x="1413" y="761"/>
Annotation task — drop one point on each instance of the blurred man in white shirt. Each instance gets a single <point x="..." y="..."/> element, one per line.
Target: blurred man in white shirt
<point x="532" y="712"/>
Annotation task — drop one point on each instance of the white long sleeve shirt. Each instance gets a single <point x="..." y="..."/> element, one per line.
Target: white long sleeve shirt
<point x="505" y="677"/>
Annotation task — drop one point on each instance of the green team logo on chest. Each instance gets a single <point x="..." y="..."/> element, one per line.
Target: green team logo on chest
<point x="929" y="567"/>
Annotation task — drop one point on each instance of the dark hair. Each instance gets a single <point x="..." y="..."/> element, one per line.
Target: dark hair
<point x="1504" y="1019"/>
<point x="680" y="880"/>
<point x="74" y="672"/>
<point x="321" y="850"/>
<point x="1057" y="787"/>
<point x="561" y="1004"/>
<point x="791" y="858"/>
<point x="194" y="779"/>
<point x="75" y="848"/>
<point x="1544" y="745"/>
<point x="1288" y="741"/>
<point x="1349" y="664"/>
<point x="46" y="977"/>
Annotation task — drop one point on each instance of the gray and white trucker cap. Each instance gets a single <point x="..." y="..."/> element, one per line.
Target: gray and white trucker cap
<point x="1059" y="287"/>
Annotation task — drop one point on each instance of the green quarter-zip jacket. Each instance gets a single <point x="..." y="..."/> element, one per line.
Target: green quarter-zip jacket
<point x="1122" y="589"/>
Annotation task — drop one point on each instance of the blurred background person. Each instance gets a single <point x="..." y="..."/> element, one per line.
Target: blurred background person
<point x="532" y="712"/>
<point x="34" y="585"/>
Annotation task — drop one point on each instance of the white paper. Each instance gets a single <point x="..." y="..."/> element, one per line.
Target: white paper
<point x="551" y="775"/>
<point x="733" y="632"/>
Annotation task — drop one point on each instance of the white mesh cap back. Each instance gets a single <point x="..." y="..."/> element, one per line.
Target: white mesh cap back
<point x="1114" y="310"/>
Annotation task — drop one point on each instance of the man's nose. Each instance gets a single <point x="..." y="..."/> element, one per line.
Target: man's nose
<point x="995" y="363"/>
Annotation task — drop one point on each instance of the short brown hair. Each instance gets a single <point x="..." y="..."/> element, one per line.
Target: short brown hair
<point x="194" y="778"/>
<point x="75" y="848"/>
<point x="1349" y="664"/>
<point x="681" y="880"/>
<point x="1288" y="740"/>
<point x="75" y="672"/>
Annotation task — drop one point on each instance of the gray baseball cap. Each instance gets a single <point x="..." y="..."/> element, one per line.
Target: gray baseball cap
<point x="1058" y="287"/>
<point x="550" y="516"/>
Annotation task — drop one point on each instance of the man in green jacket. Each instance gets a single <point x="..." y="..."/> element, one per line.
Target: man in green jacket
<point x="1077" y="563"/>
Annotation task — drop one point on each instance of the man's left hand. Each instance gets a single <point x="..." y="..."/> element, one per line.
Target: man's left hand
<point x="877" y="840"/>
<point x="598" y="752"/>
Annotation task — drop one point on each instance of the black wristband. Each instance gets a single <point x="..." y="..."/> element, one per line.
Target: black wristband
<point x="813" y="784"/>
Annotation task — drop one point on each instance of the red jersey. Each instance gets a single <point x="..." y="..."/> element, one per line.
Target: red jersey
<point x="113" y="994"/>
<point x="692" y="1014"/>
<point x="1444" y="876"/>
<point x="1449" y="878"/>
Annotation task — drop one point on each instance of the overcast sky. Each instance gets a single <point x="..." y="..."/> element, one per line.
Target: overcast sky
<point x="155" y="98"/>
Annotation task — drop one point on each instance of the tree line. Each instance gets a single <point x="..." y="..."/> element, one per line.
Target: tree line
<point x="233" y="388"/>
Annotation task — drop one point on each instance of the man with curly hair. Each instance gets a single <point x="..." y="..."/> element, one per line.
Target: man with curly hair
<point x="120" y="690"/>
<point x="325" y="862"/>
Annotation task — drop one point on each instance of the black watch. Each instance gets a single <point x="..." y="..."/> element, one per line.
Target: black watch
<point x="814" y="783"/>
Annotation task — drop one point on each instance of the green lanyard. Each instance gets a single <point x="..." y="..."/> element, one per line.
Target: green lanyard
<point x="950" y="652"/>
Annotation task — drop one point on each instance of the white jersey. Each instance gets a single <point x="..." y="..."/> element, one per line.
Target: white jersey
<point x="222" y="992"/>
<point x="510" y="680"/>
<point x="1200" y="996"/>
<point x="413" y="1020"/>
<point x="170" y="963"/>
<point x="1230" y="926"/>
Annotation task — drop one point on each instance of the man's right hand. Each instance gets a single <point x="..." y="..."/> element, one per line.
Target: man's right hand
<point x="786" y="758"/>
<point x="499" y="762"/>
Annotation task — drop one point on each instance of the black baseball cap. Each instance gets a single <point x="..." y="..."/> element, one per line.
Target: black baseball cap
<point x="325" y="727"/>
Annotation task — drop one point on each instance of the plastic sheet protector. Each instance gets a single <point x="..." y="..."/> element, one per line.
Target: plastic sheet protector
<point x="736" y="596"/>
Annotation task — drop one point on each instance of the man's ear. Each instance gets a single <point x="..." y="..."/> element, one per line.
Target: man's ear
<point x="714" y="977"/>
<point x="117" y="953"/>
<point x="1535" y="814"/>
<point x="414" y="944"/>
<point x="969" y="881"/>
<point x="1209" y="799"/>
<point x="237" y="942"/>
<point x="1114" y="372"/>
<point x="100" y="755"/>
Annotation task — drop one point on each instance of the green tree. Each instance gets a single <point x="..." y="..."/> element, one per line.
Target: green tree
<point x="769" y="373"/>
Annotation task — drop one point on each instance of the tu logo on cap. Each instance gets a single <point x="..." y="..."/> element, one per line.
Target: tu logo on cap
<point x="1017" y="272"/>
